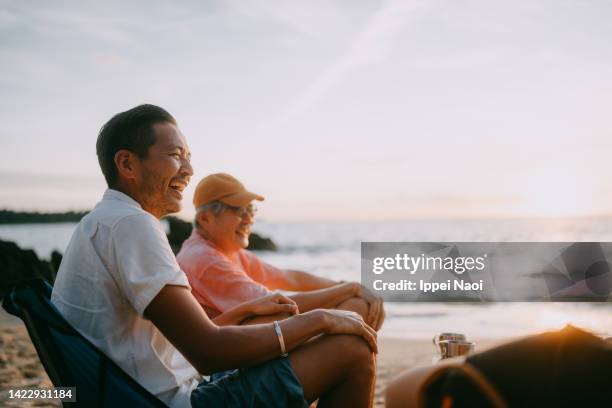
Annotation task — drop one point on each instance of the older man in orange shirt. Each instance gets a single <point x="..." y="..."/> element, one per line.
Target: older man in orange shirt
<point x="223" y="274"/>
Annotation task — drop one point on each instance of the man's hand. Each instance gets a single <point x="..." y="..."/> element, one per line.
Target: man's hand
<point x="347" y="322"/>
<point x="376" y="312"/>
<point x="271" y="305"/>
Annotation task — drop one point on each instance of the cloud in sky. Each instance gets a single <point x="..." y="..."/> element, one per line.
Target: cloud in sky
<point x="369" y="46"/>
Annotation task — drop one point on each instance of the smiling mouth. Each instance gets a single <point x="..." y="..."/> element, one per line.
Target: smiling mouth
<point x="243" y="232"/>
<point x="178" y="187"/>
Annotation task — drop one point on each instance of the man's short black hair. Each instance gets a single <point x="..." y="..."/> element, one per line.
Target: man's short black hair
<point x="130" y="130"/>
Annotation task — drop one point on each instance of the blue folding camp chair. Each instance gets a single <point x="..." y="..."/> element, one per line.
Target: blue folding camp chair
<point x="69" y="359"/>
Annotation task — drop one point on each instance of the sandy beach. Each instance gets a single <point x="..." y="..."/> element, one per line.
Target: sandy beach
<point x="19" y="363"/>
<point x="20" y="366"/>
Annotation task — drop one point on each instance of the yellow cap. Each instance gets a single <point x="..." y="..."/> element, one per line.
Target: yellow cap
<point x="225" y="188"/>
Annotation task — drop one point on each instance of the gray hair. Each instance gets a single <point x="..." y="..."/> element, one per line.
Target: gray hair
<point x="214" y="206"/>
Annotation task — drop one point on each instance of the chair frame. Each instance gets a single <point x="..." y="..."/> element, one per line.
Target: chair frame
<point x="19" y="302"/>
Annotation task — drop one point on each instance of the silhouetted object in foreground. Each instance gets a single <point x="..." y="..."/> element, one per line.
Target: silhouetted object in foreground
<point x="565" y="368"/>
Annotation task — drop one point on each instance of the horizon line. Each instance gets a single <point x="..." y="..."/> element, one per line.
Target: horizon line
<point x="488" y="217"/>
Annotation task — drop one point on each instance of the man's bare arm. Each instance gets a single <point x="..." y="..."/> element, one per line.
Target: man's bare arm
<point x="314" y="293"/>
<point x="325" y="298"/>
<point x="270" y="306"/>
<point x="233" y="316"/>
<point x="300" y="281"/>
<point x="210" y="348"/>
<point x="333" y="296"/>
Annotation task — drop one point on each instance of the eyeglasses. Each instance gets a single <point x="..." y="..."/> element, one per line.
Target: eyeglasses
<point x="250" y="209"/>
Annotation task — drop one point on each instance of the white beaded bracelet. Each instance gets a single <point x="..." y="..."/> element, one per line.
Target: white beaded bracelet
<point x="281" y="340"/>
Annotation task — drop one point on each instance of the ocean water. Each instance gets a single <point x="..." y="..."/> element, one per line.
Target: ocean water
<point x="332" y="249"/>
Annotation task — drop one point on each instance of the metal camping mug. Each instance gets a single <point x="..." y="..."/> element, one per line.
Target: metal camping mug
<point x="442" y="337"/>
<point x="447" y="336"/>
<point x="454" y="348"/>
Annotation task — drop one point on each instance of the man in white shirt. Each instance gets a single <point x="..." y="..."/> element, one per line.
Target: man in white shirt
<point x="120" y="286"/>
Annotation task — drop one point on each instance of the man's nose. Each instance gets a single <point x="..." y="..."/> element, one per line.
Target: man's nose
<point x="187" y="169"/>
<point x="248" y="217"/>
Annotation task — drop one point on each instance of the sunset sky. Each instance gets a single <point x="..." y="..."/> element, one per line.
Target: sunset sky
<point x="332" y="110"/>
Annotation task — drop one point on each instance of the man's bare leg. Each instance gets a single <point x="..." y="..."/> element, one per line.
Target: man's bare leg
<point x="338" y="379"/>
<point x="343" y="379"/>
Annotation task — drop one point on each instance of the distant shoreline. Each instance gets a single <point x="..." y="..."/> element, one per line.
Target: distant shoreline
<point x="17" y="217"/>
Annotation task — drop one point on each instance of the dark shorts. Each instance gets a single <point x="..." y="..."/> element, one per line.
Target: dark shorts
<point x="271" y="384"/>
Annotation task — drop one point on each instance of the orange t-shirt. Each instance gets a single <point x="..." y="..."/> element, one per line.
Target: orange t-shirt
<point x="219" y="282"/>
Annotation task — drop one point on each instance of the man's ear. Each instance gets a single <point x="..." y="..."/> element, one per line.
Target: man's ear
<point x="128" y="165"/>
<point x="203" y="218"/>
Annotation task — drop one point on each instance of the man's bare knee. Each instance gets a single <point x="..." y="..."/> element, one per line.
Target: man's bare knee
<point x="359" y="364"/>
<point x="357" y="305"/>
<point x="323" y="370"/>
<point x="360" y="356"/>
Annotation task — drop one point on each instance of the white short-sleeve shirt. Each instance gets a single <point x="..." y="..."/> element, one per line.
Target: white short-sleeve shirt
<point x="117" y="261"/>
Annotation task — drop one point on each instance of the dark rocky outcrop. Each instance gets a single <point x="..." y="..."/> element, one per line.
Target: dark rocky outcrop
<point x="180" y="231"/>
<point x="18" y="264"/>
<point x="16" y="217"/>
<point x="56" y="260"/>
<point x="259" y="243"/>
